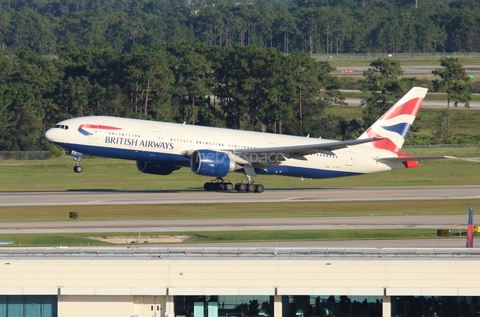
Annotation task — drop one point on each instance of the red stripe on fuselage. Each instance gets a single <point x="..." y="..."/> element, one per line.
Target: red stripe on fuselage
<point x="98" y="126"/>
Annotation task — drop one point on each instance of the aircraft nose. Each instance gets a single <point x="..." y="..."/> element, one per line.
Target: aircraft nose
<point x="49" y="135"/>
<point x="52" y="135"/>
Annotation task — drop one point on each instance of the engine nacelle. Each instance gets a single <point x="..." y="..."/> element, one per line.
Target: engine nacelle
<point x="155" y="168"/>
<point x="211" y="163"/>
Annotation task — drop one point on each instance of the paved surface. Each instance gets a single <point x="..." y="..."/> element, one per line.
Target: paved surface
<point x="358" y="70"/>
<point x="440" y="243"/>
<point x="270" y="195"/>
<point x="427" y="104"/>
<point x="453" y="223"/>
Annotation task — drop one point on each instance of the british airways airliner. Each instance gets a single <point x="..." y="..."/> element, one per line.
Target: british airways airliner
<point x="161" y="148"/>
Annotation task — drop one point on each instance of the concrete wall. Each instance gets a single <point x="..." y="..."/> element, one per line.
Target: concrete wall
<point x="109" y="287"/>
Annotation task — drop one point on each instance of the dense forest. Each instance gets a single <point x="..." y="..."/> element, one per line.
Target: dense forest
<point x="240" y="88"/>
<point x="214" y="63"/>
<point x="313" y="26"/>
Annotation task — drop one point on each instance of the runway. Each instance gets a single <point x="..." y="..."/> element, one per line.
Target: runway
<point x="71" y="198"/>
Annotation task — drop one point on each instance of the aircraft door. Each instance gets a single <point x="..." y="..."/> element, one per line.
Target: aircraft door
<point x="350" y="160"/>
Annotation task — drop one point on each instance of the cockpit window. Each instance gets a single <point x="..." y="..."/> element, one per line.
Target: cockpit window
<point x="61" y="126"/>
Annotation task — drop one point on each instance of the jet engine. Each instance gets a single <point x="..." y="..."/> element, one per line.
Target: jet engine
<point x="212" y="163"/>
<point x="155" y="168"/>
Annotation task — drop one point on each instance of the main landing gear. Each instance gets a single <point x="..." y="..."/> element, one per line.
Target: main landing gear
<point x="219" y="185"/>
<point x="246" y="186"/>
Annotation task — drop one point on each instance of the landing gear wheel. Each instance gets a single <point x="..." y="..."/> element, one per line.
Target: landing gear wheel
<point x="259" y="188"/>
<point x="251" y="188"/>
<point x="240" y="187"/>
<point x="209" y="187"/>
<point x="218" y="185"/>
<point x="77" y="169"/>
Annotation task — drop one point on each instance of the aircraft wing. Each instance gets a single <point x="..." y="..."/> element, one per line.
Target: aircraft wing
<point x="301" y="150"/>
<point x="411" y="158"/>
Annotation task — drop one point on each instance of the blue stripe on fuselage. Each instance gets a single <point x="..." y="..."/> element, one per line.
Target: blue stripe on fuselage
<point x="180" y="160"/>
<point x="127" y="154"/>
<point x="305" y="172"/>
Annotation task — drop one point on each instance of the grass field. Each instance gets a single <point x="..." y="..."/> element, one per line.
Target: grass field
<point x="235" y="210"/>
<point x="109" y="174"/>
<point x="84" y="239"/>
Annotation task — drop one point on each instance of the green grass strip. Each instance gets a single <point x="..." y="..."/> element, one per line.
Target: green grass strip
<point x="48" y="240"/>
<point x="235" y="210"/>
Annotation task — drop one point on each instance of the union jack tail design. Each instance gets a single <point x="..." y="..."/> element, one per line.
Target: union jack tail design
<point x="470" y="228"/>
<point x="394" y="125"/>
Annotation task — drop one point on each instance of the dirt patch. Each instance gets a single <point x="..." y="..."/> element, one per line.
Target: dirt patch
<point x="143" y="239"/>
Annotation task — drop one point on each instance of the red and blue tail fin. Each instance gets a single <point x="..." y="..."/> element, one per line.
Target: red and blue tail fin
<point x="470" y="228"/>
<point x="395" y="124"/>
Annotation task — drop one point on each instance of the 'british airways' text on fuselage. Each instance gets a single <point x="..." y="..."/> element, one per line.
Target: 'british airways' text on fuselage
<point x="140" y="143"/>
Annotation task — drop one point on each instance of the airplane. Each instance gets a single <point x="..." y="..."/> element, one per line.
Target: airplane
<point x="162" y="148"/>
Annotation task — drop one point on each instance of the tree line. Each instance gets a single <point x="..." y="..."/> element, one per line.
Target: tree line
<point x="241" y="88"/>
<point x="313" y="26"/>
<point x="247" y="88"/>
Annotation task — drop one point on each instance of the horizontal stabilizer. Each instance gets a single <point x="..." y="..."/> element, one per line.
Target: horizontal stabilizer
<point x="411" y="158"/>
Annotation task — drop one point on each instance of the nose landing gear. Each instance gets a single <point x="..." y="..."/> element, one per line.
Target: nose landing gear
<point x="77" y="157"/>
<point x="77" y="168"/>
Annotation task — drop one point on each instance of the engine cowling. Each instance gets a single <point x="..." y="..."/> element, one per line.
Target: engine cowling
<point x="155" y="168"/>
<point x="211" y="163"/>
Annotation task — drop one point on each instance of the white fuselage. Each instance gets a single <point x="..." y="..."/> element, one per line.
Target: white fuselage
<point x="169" y="143"/>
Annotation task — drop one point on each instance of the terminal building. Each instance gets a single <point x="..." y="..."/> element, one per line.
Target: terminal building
<point x="239" y="282"/>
